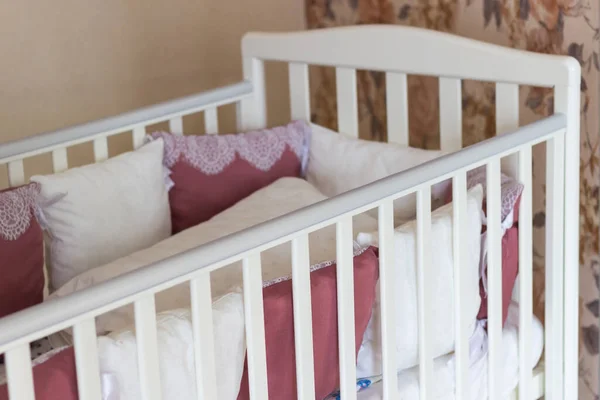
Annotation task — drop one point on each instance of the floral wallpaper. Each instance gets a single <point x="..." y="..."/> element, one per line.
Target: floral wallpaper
<point x="548" y="26"/>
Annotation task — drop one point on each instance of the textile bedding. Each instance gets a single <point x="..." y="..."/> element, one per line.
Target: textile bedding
<point x="117" y="347"/>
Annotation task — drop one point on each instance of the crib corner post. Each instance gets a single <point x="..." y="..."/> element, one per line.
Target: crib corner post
<point x="252" y="111"/>
<point x="567" y="102"/>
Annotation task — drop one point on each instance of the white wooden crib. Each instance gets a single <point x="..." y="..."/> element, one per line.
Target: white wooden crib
<point x="397" y="51"/>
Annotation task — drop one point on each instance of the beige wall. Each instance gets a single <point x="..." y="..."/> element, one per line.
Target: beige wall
<point x="70" y="61"/>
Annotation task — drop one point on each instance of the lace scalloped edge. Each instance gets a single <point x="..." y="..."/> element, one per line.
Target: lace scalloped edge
<point x="261" y="148"/>
<point x="17" y="209"/>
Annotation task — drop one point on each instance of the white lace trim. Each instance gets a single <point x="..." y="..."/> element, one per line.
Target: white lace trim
<point x="17" y="208"/>
<point x="358" y="250"/>
<point x="211" y="154"/>
<point x="511" y="189"/>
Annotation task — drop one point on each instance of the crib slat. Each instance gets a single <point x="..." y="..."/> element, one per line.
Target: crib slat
<point x="16" y="173"/>
<point x="299" y="91"/>
<point x="255" y="328"/>
<point x="494" y="279"/>
<point x="211" y="121"/>
<point x="60" y="161"/>
<point x="100" y="149"/>
<point x="554" y="256"/>
<point x="147" y="348"/>
<point x="387" y="284"/>
<point x="19" y="374"/>
<point x="397" y="108"/>
<point x="450" y="114"/>
<point x="459" y="235"/>
<point x="345" y="306"/>
<point x="202" y="321"/>
<point x="507" y="120"/>
<point x="424" y="297"/>
<point x="525" y="273"/>
<point x="86" y="356"/>
<point x="139" y="132"/>
<point x="176" y="125"/>
<point x="347" y="106"/>
<point x="303" y="317"/>
<point x="567" y="101"/>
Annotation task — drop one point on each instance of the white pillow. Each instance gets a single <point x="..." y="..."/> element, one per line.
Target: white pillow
<point x="441" y="288"/>
<point x="281" y="197"/>
<point x="100" y="212"/>
<point x="338" y="163"/>
<point x="118" y="353"/>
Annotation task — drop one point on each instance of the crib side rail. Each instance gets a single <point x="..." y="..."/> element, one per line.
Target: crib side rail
<point x="79" y="309"/>
<point x="13" y="153"/>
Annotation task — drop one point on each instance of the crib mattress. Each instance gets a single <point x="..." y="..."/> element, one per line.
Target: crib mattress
<point x="408" y="380"/>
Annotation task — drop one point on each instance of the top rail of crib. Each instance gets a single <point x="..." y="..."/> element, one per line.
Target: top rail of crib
<point x="61" y="313"/>
<point x="411" y="50"/>
<point x="48" y="141"/>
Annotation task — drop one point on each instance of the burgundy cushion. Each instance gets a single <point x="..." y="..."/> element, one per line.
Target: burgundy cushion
<point x="279" y="327"/>
<point x="21" y="250"/>
<point x="53" y="379"/>
<point x="213" y="172"/>
<point x="510" y="201"/>
<point x="510" y="269"/>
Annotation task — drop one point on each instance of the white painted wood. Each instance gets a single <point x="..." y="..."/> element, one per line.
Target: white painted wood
<point x="176" y="125"/>
<point x="303" y="318"/>
<point x="347" y="101"/>
<point x="537" y="385"/>
<point x="567" y="101"/>
<point x="345" y="306"/>
<point x="83" y="133"/>
<point x="460" y="252"/>
<point x="252" y="112"/>
<point x="387" y="285"/>
<point x="202" y="321"/>
<point x="211" y="121"/>
<point x="494" y="279"/>
<point x="16" y="173"/>
<point x="507" y="120"/>
<point x="423" y="295"/>
<point x="396" y="89"/>
<point x="555" y="184"/>
<point x="147" y="348"/>
<point x="100" y="149"/>
<point x="86" y="358"/>
<point x="19" y="374"/>
<point x="138" y="134"/>
<point x="60" y="161"/>
<point x="299" y="92"/>
<point x="424" y="52"/>
<point x="450" y="114"/>
<point x="255" y="327"/>
<point x="525" y="272"/>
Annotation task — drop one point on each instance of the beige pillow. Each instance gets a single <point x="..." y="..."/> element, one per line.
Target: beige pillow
<point x="100" y="212"/>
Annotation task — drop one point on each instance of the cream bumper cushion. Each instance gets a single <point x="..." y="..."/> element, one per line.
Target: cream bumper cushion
<point x="119" y="362"/>
<point x="441" y="288"/>
<point x="338" y="163"/>
<point x="283" y="196"/>
<point x="100" y="212"/>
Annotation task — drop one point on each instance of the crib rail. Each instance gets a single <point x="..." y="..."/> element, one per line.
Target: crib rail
<point x="136" y="121"/>
<point x="80" y="308"/>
